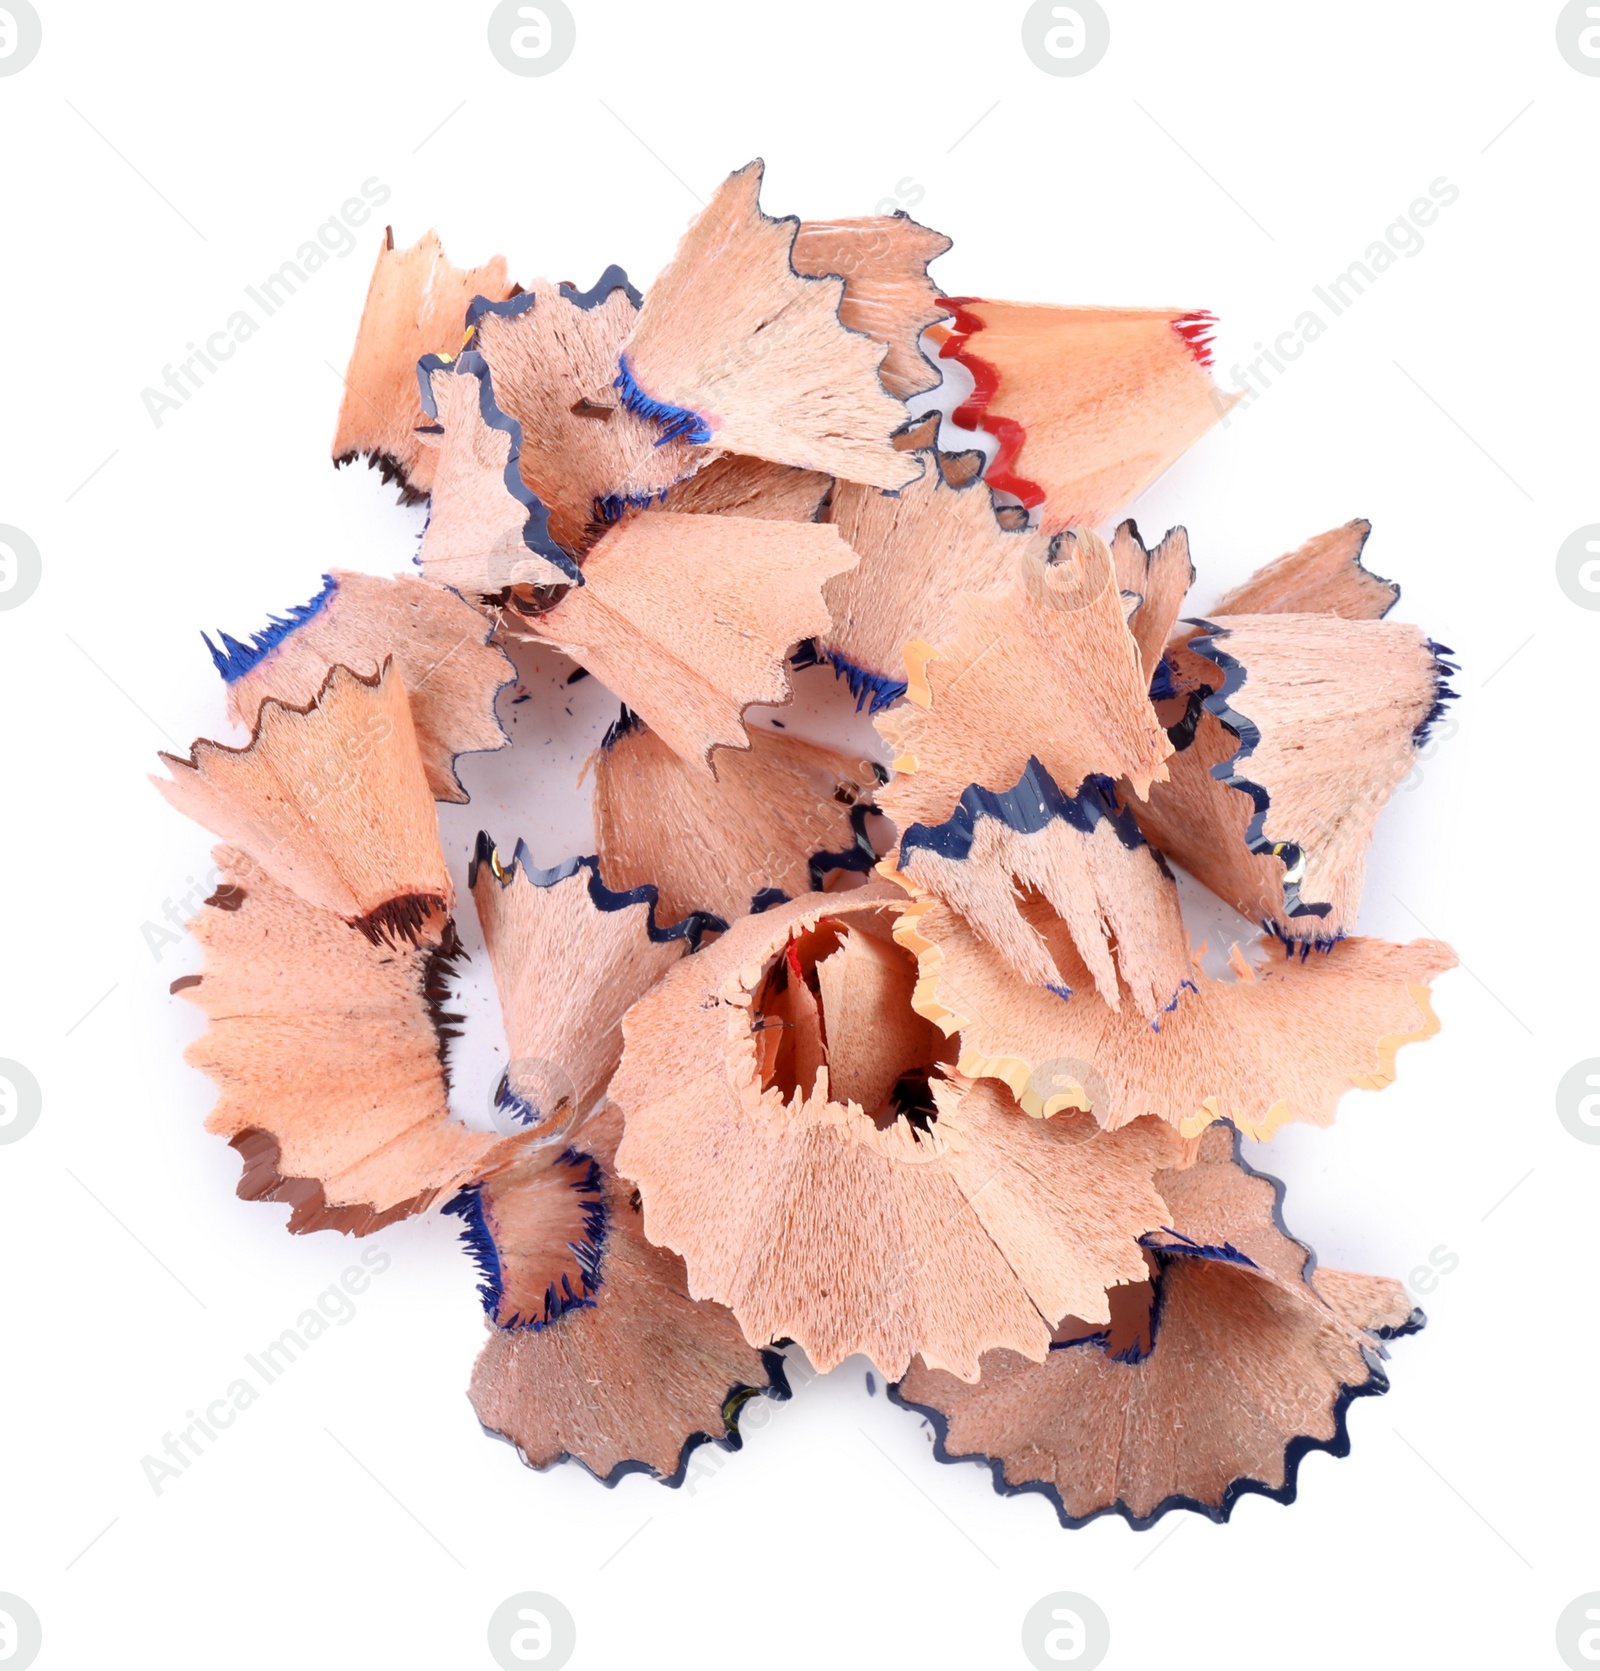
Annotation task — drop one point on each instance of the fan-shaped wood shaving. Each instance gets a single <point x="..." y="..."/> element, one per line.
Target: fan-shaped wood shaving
<point x="883" y="260"/>
<point x="1239" y="1370"/>
<point x="333" y="801"/>
<point x="537" y="1230"/>
<point x="1325" y="576"/>
<point x="587" y="461"/>
<point x="1090" y="404"/>
<point x="773" y="811"/>
<point x="1242" y="1367"/>
<point x="732" y="334"/>
<point x="688" y="618"/>
<point x="1334" y="710"/>
<point x="1261" y="1051"/>
<point x="416" y="305"/>
<point x="567" y="966"/>
<point x="1046" y="671"/>
<point x="440" y="648"/>
<point x="325" y="1042"/>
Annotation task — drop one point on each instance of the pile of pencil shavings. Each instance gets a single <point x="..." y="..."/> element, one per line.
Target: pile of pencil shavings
<point x="914" y="1060"/>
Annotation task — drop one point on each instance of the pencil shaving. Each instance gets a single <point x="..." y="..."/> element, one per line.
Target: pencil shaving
<point x="883" y="1038"/>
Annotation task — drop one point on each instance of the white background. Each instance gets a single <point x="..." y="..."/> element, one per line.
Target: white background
<point x="1229" y="156"/>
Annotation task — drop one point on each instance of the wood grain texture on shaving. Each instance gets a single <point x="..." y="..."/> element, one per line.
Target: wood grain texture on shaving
<point x="814" y="1224"/>
<point x="634" y="1380"/>
<point x="731" y="332"/>
<point x="333" y="801"/>
<point x="883" y="260"/>
<point x="736" y="486"/>
<point x="576" y="454"/>
<point x="1241" y="1370"/>
<point x="416" y="304"/>
<point x="1216" y="1201"/>
<point x="324" y="1040"/>
<point x="540" y="1215"/>
<point x="1377" y="1304"/>
<point x="440" y="648"/>
<point x="1020" y="890"/>
<point x="1161" y="579"/>
<point x="1335" y="706"/>
<point x="1325" y="576"/>
<point x="478" y="527"/>
<point x="566" y="971"/>
<point x="873" y="1036"/>
<point x="1244" y="1364"/>
<point x="715" y="845"/>
<point x="689" y="618"/>
<point x="1283" y="1046"/>
<point x="921" y="550"/>
<point x="1047" y="670"/>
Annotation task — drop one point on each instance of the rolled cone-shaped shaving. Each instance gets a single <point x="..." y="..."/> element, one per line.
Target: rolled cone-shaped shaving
<point x="634" y="1376"/>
